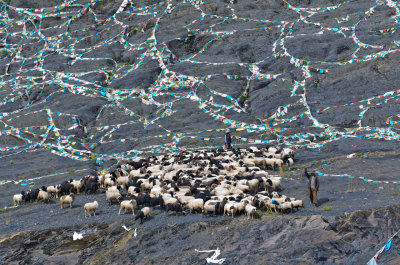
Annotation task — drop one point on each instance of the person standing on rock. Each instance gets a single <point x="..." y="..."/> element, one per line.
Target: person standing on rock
<point x="313" y="186"/>
<point x="228" y="139"/>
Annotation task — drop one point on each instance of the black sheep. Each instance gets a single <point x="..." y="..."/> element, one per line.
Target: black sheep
<point x="66" y="188"/>
<point x="33" y="194"/>
<point x="175" y="207"/>
<point x="155" y="202"/>
<point x="92" y="187"/>
<point x="26" y="196"/>
<point x="140" y="215"/>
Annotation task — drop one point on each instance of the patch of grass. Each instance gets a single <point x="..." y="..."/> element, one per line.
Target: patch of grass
<point x="359" y="154"/>
<point x="328" y="208"/>
<point x="71" y="170"/>
<point x="197" y="69"/>
<point x="54" y="219"/>
<point x="345" y="203"/>
<point x="383" y="195"/>
<point x="50" y="159"/>
<point x="8" y="220"/>
<point x="270" y="212"/>
<point x="394" y="193"/>
<point x="37" y="172"/>
<point x="258" y="214"/>
<point x="11" y="162"/>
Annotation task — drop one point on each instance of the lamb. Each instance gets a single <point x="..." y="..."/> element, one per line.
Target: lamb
<point x="113" y="195"/>
<point x="250" y="211"/>
<point x="196" y="204"/>
<point x="54" y="190"/>
<point x="91" y="207"/>
<point x="67" y="199"/>
<point x="127" y="205"/>
<point x="144" y="213"/>
<point x="43" y="195"/>
<point x="17" y="199"/>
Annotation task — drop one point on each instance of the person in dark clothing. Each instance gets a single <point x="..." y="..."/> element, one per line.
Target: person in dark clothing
<point x="228" y="139"/>
<point x="313" y="186"/>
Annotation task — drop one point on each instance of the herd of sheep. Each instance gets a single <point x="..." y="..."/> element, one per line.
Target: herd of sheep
<point x="210" y="181"/>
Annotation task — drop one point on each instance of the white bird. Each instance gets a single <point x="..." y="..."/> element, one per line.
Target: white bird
<point x="77" y="236"/>
<point x="135" y="232"/>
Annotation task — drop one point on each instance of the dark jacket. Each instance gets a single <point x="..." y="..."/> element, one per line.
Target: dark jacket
<point x="313" y="180"/>
<point x="228" y="139"/>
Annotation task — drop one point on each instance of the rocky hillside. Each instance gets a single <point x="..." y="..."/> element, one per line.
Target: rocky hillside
<point x="87" y="84"/>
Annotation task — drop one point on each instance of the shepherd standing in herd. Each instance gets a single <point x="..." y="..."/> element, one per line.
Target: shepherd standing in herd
<point x="228" y="139"/>
<point x="313" y="186"/>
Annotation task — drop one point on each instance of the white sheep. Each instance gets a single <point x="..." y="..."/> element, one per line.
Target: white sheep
<point x="67" y="199"/>
<point x="196" y="204"/>
<point x="91" y="207"/>
<point x="250" y="211"/>
<point x="240" y="206"/>
<point x="78" y="184"/>
<point x="297" y="203"/>
<point x="127" y="205"/>
<point x="276" y="182"/>
<point x="17" y="199"/>
<point x="123" y="181"/>
<point x="43" y="195"/>
<point x="185" y="199"/>
<point x="108" y="182"/>
<point x="285" y="206"/>
<point x="210" y="206"/>
<point x="229" y="208"/>
<point x="112" y="195"/>
<point x="54" y="190"/>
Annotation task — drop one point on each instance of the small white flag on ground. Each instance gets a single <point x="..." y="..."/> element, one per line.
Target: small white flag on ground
<point x="213" y="259"/>
<point x="77" y="236"/>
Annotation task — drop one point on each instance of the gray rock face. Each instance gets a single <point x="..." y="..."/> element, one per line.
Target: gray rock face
<point x="84" y="85"/>
<point x="276" y="240"/>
